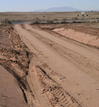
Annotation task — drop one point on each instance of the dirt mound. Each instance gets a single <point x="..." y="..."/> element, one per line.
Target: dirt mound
<point x="10" y="93"/>
<point x="15" y="58"/>
<point x="83" y="36"/>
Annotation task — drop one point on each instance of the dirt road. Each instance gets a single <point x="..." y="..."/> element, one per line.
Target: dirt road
<point x="72" y="67"/>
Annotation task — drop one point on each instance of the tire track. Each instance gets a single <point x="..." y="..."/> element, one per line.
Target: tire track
<point x="89" y="52"/>
<point x="80" y="84"/>
<point x="82" y="62"/>
<point x="56" y="94"/>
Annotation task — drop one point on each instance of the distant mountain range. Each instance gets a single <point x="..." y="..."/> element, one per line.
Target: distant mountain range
<point x="58" y="9"/>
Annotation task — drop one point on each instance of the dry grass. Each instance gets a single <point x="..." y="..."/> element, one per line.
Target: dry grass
<point x="30" y="16"/>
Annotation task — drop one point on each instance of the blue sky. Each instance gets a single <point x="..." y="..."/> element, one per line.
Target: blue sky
<point x="31" y="5"/>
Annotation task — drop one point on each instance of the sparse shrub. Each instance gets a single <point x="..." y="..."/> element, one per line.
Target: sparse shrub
<point x="77" y="15"/>
<point x="6" y="22"/>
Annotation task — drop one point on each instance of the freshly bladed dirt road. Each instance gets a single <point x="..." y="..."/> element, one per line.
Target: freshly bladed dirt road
<point x="73" y="66"/>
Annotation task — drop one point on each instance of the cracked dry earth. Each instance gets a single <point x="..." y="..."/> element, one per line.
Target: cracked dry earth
<point x="39" y="68"/>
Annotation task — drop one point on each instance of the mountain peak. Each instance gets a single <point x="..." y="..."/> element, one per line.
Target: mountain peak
<point x="58" y="9"/>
